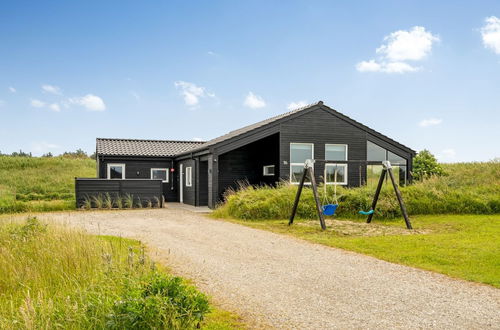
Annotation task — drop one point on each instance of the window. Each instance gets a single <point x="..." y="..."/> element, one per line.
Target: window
<point x="336" y="151"/>
<point x="373" y="174"/>
<point x="116" y="171"/>
<point x="375" y="153"/>
<point x="189" y="176"/>
<point x="159" y="174"/>
<point x="340" y="176"/>
<point x="268" y="170"/>
<point x="299" y="153"/>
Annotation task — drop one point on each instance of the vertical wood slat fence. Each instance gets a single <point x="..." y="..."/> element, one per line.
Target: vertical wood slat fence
<point x="141" y="190"/>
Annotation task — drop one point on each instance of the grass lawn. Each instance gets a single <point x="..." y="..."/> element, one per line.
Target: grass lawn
<point x="461" y="246"/>
<point x="57" y="277"/>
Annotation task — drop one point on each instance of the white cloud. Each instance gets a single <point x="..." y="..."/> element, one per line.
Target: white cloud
<point x="37" y="103"/>
<point x="90" y="102"/>
<point x="12" y="89"/>
<point x="401" y="46"/>
<point x="391" y="67"/>
<point x="430" y="122"/>
<point x="198" y="139"/>
<point x="52" y="89"/>
<point x="136" y="96"/>
<point x="191" y="92"/>
<point x="296" y="105"/>
<point x="55" y="107"/>
<point x="254" y="101"/>
<point x="211" y="53"/>
<point x="491" y="33"/>
<point x="41" y="147"/>
<point x="413" y="45"/>
<point x="447" y="155"/>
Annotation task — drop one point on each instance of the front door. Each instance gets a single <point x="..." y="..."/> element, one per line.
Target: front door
<point x="181" y="184"/>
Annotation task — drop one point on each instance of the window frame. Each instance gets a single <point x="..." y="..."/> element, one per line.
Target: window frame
<point x="109" y="165"/>
<point x="265" y="167"/>
<point x="299" y="164"/>
<point x="346" y="179"/>
<point x="338" y="144"/>
<point x="188" y="178"/>
<point x="167" y="170"/>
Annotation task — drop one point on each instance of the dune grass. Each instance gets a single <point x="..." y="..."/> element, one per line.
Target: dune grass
<point x="57" y="277"/>
<point x="40" y="184"/>
<point x="467" y="188"/>
<point x="461" y="246"/>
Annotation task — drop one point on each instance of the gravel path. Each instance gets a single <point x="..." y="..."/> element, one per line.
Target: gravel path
<point x="278" y="281"/>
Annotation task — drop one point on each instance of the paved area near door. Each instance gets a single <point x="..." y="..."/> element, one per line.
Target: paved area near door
<point x="278" y="281"/>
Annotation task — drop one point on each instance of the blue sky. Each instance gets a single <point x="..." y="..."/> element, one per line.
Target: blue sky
<point x="425" y="73"/>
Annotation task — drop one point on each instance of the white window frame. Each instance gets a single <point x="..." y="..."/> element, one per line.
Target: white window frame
<point x="115" y="164"/>
<point x="338" y="144"/>
<point x="302" y="164"/>
<point x="344" y="183"/>
<point x="161" y="169"/>
<point x="189" y="176"/>
<point x="266" y="168"/>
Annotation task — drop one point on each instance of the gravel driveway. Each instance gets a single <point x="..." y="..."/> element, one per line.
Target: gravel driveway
<point x="278" y="281"/>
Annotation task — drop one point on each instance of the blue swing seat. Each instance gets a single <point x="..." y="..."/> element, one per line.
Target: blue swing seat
<point x="366" y="212"/>
<point x="329" y="209"/>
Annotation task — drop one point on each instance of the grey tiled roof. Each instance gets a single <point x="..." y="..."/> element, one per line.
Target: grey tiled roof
<point x="254" y="126"/>
<point x="149" y="148"/>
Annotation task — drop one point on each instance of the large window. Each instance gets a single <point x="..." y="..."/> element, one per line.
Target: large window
<point x="336" y="151"/>
<point x="336" y="174"/>
<point x="159" y="174"/>
<point x="299" y="153"/>
<point x="116" y="171"/>
<point x="376" y="153"/>
<point x="189" y="176"/>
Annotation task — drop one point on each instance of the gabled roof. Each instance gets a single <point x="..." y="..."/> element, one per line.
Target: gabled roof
<point x="145" y="148"/>
<point x="288" y="115"/>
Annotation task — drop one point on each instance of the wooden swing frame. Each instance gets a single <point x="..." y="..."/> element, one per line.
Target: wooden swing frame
<point x="309" y="170"/>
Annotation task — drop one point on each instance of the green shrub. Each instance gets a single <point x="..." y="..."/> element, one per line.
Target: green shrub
<point x="468" y="188"/>
<point x="425" y="166"/>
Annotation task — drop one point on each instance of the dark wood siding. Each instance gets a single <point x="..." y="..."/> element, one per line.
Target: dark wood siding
<point x="246" y="164"/>
<point x="320" y="127"/>
<point x="202" y="183"/>
<point x="140" y="190"/>
<point x="140" y="168"/>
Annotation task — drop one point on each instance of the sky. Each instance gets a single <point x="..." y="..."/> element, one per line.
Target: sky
<point x="425" y="73"/>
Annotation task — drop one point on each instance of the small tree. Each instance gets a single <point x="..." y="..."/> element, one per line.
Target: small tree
<point x="425" y="165"/>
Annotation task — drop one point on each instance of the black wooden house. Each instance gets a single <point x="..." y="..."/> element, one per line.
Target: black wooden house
<point x="198" y="173"/>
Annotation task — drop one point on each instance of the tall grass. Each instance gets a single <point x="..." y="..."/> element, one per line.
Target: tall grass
<point x="468" y="188"/>
<point x="55" y="277"/>
<point x="40" y="184"/>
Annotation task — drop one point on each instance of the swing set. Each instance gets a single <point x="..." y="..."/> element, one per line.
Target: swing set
<point x="330" y="208"/>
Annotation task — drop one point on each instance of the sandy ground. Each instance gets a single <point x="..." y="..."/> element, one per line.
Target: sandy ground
<point x="277" y="281"/>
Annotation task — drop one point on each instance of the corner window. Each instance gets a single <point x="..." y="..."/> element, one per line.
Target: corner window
<point x="336" y="152"/>
<point x="299" y="153"/>
<point x="268" y="170"/>
<point x="189" y="176"/>
<point x="375" y="153"/>
<point x="159" y="174"/>
<point x="116" y="171"/>
<point x="336" y="174"/>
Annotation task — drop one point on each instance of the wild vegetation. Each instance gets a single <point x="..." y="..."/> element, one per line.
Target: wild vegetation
<point x="56" y="277"/>
<point x="41" y="183"/>
<point x="464" y="188"/>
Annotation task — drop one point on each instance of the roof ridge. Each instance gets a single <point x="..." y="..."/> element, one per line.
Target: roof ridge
<point x="150" y="140"/>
